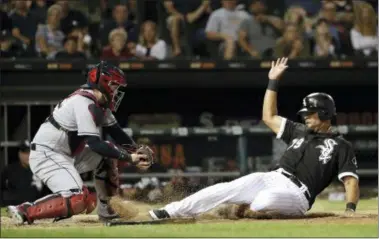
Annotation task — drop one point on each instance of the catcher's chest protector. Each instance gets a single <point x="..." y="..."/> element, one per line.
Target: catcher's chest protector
<point x="97" y="112"/>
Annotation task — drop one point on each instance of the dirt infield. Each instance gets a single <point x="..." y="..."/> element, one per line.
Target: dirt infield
<point x="363" y="217"/>
<point x="75" y="221"/>
<point x="324" y="220"/>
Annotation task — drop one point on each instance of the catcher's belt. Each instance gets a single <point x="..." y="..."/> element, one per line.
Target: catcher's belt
<point x="75" y="143"/>
<point x="56" y="124"/>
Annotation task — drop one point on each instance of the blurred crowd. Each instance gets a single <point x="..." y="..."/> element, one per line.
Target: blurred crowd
<point x="163" y="29"/>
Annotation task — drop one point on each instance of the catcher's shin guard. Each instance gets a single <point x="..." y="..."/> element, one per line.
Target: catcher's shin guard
<point x="107" y="179"/>
<point x="59" y="205"/>
<point x="107" y="185"/>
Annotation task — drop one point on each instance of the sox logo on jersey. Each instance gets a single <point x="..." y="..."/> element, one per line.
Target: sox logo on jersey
<point x="326" y="150"/>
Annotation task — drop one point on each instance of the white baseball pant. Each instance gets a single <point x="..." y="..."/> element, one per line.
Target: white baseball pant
<point x="61" y="172"/>
<point x="265" y="192"/>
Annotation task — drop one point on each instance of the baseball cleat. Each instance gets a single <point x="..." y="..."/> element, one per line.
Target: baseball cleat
<point x="18" y="214"/>
<point x="157" y="214"/>
<point x="105" y="212"/>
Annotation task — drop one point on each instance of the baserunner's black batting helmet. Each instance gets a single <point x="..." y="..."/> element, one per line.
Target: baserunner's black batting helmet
<point x="320" y="103"/>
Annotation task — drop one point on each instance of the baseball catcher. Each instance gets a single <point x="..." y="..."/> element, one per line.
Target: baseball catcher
<point x="69" y="143"/>
<point x="107" y="175"/>
<point x="314" y="157"/>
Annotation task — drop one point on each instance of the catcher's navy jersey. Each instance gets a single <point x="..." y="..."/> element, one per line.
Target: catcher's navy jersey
<point x="315" y="158"/>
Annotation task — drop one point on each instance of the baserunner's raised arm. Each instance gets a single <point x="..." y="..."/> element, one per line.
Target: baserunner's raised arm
<point x="270" y="112"/>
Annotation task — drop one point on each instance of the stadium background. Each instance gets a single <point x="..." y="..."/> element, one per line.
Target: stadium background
<point x="167" y="96"/>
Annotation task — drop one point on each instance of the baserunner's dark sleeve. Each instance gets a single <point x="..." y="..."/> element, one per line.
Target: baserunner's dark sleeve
<point x="105" y="149"/>
<point x="118" y="135"/>
<point x="347" y="161"/>
<point x="290" y="130"/>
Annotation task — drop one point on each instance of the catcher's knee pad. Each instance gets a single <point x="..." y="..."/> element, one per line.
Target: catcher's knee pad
<point x="62" y="205"/>
<point x="107" y="179"/>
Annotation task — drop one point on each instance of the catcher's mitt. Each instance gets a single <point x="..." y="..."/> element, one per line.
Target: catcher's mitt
<point x="141" y="149"/>
<point x="146" y="150"/>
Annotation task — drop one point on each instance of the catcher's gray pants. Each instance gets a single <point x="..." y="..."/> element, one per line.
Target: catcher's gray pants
<point x="265" y="192"/>
<point x="61" y="172"/>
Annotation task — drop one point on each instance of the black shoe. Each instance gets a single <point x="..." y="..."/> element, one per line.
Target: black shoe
<point x="157" y="214"/>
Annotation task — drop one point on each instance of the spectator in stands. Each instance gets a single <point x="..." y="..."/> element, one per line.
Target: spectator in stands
<point x="17" y="181"/>
<point x="292" y="44"/>
<point x="176" y="15"/>
<point x="184" y="12"/>
<point x="197" y="19"/>
<point x="84" y="39"/>
<point x="310" y="7"/>
<point x="24" y="26"/>
<point x="117" y="49"/>
<point x="344" y="9"/>
<point x="106" y="7"/>
<point x="49" y="37"/>
<point x="71" y="50"/>
<point x="132" y="16"/>
<point x="364" y="35"/>
<point x="39" y="9"/>
<point x="119" y="20"/>
<point x="150" y="47"/>
<point x="223" y="25"/>
<point x="258" y="34"/>
<point x="338" y="29"/>
<point x="324" y="45"/>
<point x="297" y="15"/>
<point x="71" y="18"/>
<point x="328" y="12"/>
<point x="258" y="9"/>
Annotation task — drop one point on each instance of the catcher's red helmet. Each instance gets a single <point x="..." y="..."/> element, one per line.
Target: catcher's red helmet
<point x="107" y="79"/>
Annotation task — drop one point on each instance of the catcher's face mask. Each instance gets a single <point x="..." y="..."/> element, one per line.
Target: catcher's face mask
<point x="117" y="95"/>
<point x="110" y="79"/>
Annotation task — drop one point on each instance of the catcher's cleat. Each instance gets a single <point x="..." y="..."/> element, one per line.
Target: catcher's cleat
<point x="108" y="217"/>
<point x="158" y="214"/>
<point x="105" y="212"/>
<point x="18" y="213"/>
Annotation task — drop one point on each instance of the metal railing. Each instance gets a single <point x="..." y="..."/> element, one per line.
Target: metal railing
<point x="235" y="131"/>
<point x="28" y="104"/>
